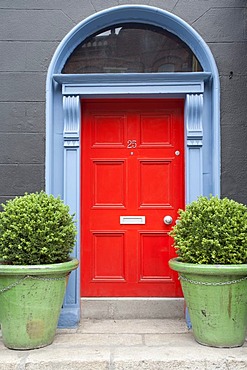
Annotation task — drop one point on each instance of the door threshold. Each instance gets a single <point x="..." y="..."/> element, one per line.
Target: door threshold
<point x="131" y="308"/>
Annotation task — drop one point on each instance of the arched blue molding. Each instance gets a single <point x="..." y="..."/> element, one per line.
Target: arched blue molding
<point x="133" y="13"/>
<point x="141" y="14"/>
<point x="59" y="152"/>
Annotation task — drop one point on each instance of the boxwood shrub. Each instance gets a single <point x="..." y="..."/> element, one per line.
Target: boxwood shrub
<point x="36" y="228"/>
<point x="212" y="231"/>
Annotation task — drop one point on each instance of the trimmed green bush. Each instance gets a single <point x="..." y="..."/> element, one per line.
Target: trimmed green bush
<point x="36" y="229"/>
<point x="212" y="231"/>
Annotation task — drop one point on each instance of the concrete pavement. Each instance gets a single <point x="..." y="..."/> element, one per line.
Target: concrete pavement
<point x="160" y="344"/>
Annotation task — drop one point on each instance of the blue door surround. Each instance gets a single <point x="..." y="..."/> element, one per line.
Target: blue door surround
<point x="200" y="91"/>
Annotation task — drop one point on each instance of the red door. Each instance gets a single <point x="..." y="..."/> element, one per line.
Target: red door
<point x="132" y="168"/>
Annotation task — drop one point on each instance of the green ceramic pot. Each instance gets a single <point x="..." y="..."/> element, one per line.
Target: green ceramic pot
<point x="216" y="296"/>
<point x="31" y="298"/>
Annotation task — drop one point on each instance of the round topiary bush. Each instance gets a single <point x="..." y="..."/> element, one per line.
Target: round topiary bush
<point x="36" y="229"/>
<point x="212" y="231"/>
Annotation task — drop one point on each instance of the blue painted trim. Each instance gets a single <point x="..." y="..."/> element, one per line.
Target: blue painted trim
<point x="134" y="78"/>
<point x="194" y="146"/>
<point x="150" y="15"/>
<point x="138" y="14"/>
<point x="54" y="108"/>
<point x="134" y="83"/>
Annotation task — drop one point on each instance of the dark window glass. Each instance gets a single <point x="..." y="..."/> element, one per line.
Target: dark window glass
<point x="132" y="48"/>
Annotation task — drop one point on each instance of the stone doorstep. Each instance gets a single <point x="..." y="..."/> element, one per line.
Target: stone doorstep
<point x="160" y="344"/>
<point x="132" y="308"/>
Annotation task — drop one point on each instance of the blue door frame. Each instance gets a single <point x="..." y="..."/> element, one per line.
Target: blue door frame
<point x="64" y="94"/>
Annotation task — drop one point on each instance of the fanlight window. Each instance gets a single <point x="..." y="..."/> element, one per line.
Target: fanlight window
<point x="132" y="48"/>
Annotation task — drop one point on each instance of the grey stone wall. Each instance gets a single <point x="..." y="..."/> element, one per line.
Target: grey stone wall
<point x="30" y="31"/>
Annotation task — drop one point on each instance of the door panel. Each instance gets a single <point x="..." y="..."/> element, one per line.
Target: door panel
<point x="155" y="130"/>
<point x="108" y="256"/>
<point x="154" y="183"/>
<point x="132" y="166"/>
<point x="115" y="173"/>
<point x="153" y="250"/>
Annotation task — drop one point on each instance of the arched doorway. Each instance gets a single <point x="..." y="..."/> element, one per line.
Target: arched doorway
<point x="199" y="91"/>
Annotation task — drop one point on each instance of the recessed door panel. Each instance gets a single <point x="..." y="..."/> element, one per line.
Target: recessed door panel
<point x="155" y="183"/>
<point x="155" y="130"/>
<point x="109" y="175"/>
<point x="107" y="130"/>
<point x="108" y="256"/>
<point x="154" y="252"/>
<point x="132" y="176"/>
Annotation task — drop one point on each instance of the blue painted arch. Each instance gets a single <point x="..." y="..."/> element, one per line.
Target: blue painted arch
<point x="141" y="14"/>
<point x="62" y="142"/>
<point x="138" y="14"/>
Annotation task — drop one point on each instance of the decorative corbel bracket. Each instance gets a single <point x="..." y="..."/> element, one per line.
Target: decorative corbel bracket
<point x="194" y="109"/>
<point x="72" y="118"/>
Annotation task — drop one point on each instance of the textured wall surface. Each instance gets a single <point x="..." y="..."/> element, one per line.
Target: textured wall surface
<point x="30" y="31"/>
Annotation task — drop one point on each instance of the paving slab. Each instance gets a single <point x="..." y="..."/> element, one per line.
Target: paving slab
<point x="99" y="339"/>
<point x="89" y="358"/>
<point x="134" y="326"/>
<point x="179" y="356"/>
<point x="158" y="344"/>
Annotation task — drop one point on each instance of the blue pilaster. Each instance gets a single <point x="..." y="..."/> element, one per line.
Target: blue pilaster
<point x="70" y="315"/>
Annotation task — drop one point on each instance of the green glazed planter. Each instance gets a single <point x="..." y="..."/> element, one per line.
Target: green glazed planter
<point x="31" y="298"/>
<point x="216" y="297"/>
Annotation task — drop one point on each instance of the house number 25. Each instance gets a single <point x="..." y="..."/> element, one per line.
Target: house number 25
<point x="131" y="144"/>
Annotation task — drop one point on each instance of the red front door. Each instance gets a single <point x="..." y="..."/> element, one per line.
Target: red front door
<point x="132" y="167"/>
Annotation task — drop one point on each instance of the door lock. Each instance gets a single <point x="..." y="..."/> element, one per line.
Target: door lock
<point x="167" y="220"/>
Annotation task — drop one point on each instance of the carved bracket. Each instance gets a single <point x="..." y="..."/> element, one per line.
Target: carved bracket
<point x="194" y="110"/>
<point x="72" y="117"/>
